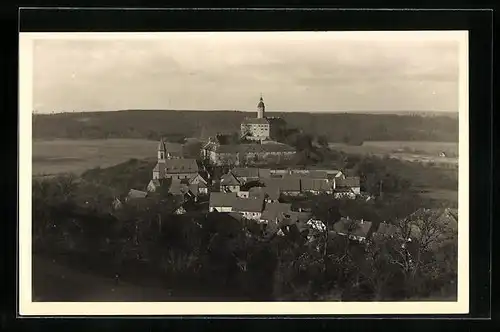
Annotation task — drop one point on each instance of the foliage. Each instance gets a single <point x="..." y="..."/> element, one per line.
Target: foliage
<point x="176" y="125"/>
<point x="213" y="254"/>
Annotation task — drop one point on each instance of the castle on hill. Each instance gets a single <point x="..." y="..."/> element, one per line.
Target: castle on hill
<point x="259" y="128"/>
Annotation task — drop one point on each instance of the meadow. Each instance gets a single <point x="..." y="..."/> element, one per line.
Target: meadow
<point x="76" y="156"/>
<point x="406" y="150"/>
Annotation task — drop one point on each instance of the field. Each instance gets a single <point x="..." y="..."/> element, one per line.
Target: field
<point x="61" y="156"/>
<point x="406" y="150"/>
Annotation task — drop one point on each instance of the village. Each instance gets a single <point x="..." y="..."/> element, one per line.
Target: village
<point x="227" y="179"/>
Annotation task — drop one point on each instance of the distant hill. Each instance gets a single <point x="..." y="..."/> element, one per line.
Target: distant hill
<point x="176" y="125"/>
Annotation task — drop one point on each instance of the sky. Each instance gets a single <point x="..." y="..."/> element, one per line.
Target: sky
<point x="313" y="71"/>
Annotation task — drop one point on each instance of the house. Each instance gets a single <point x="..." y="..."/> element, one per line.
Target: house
<point x="341" y="193"/>
<point x="221" y="202"/>
<point x="352" y="183"/>
<point x="275" y="212"/>
<point x="287" y="185"/>
<point x="153" y="185"/>
<point x="201" y="182"/>
<point x="271" y="194"/>
<point x="385" y="230"/>
<point x="184" y="190"/>
<point x="358" y="230"/>
<point x="292" y="221"/>
<point x="134" y="194"/>
<point x="316" y="186"/>
<point x="229" y="183"/>
<point x="250" y="208"/>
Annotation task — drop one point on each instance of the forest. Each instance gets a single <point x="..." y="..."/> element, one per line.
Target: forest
<point x="175" y="126"/>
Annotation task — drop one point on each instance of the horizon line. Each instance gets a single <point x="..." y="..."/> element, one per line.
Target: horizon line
<point x="252" y="111"/>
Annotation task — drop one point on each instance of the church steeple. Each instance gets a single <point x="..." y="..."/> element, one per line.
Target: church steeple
<point x="162" y="150"/>
<point x="261" y="108"/>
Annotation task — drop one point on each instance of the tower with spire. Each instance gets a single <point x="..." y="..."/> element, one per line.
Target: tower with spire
<point x="162" y="151"/>
<point x="261" y="108"/>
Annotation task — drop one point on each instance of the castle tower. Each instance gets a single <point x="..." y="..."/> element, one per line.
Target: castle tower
<point x="162" y="151"/>
<point x="261" y="109"/>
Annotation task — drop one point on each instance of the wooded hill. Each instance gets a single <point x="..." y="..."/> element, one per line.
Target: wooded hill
<point x="176" y="125"/>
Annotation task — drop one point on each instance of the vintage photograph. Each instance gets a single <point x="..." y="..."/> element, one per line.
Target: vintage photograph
<point x="244" y="167"/>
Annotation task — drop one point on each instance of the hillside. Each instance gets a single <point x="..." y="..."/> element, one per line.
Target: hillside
<point x="175" y="125"/>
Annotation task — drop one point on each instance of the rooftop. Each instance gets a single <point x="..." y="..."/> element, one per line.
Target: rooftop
<point x="353" y="227"/>
<point x="255" y="121"/>
<point x="248" y="204"/>
<point x="222" y="199"/>
<point x="348" y="182"/>
<point x="170" y="166"/>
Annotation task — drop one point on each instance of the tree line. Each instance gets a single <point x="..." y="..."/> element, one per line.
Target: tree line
<point x="177" y="125"/>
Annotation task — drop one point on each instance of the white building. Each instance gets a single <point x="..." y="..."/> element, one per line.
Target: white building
<point x="257" y="129"/>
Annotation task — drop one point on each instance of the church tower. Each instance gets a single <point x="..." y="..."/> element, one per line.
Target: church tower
<point x="162" y="151"/>
<point x="261" y="109"/>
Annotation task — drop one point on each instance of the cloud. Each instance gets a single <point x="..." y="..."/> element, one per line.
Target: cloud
<point x="229" y="73"/>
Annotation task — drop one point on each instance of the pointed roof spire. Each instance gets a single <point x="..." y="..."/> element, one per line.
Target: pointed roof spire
<point x="161" y="145"/>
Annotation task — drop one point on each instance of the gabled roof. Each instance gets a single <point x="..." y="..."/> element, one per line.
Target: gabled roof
<point x="198" y="176"/>
<point x="173" y="166"/>
<point x="272" y="192"/>
<point x="248" y="204"/>
<point x="276" y="211"/>
<point x="386" y="229"/>
<point x="178" y="187"/>
<point x="229" y="179"/>
<point x="348" y="182"/>
<point x="133" y="193"/>
<point x="222" y="199"/>
<point x="353" y="227"/>
<point x="155" y="182"/>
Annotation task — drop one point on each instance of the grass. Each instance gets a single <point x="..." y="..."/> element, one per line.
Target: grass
<point x="62" y="156"/>
<point x="408" y="150"/>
